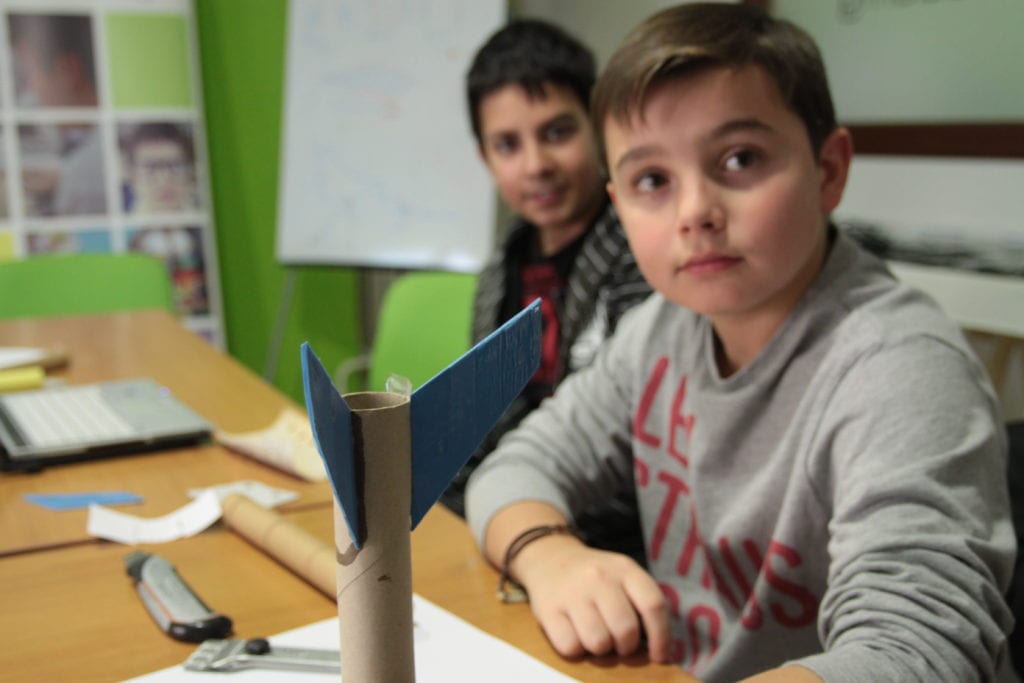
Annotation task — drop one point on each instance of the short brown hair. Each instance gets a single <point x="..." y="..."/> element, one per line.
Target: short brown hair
<point x="680" y="39"/>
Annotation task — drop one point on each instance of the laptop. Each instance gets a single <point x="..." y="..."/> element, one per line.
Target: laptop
<point x="80" y="422"/>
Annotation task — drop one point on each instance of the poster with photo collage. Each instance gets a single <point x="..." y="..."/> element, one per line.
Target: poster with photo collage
<point x="102" y="146"/>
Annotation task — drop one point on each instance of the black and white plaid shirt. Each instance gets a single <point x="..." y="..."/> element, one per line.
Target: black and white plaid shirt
<point x="603" y="283"/>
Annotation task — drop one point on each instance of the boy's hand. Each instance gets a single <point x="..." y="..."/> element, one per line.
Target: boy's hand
<point x="594" y="601"/>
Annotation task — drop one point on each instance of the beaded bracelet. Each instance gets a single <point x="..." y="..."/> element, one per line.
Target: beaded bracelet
<point x="508" y="589"/>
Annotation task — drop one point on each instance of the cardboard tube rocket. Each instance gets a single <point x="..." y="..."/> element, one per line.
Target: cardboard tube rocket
<point x="389" y="458"/>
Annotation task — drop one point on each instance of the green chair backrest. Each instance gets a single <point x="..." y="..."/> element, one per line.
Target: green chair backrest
<point x="424" y="325"/>
<point x="67" y="284"/>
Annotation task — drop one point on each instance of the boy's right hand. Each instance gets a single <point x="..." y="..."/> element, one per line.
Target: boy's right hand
<point x="594" y="601"/>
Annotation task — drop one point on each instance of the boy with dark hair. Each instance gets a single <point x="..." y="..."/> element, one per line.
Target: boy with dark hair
<point x="818" y="458"/>
<point x="528" y="91"/>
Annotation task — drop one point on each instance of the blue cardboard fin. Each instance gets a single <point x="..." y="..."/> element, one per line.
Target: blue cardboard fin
<point x="453" y="412"/>
<point x="331" y="420"/>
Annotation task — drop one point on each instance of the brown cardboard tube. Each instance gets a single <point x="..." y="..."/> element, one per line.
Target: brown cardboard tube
<point x="286" y="542"/>
<point x="375" y="581"/>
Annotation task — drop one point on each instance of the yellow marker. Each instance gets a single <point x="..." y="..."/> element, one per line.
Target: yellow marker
<point x="20" y="379"/>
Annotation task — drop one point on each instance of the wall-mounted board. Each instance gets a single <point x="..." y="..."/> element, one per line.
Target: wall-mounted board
<point x="379" y="166"/>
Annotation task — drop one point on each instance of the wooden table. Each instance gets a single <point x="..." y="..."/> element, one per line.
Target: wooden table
<point x="70" y="611"/>
<point x="81" y="598"/>
<point x="150" y="344"/>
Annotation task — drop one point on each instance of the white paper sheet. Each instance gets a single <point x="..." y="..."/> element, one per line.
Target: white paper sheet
<point x="257" y="491"/>
<point x="129" y="529"/>
<point x="448" y="650"/>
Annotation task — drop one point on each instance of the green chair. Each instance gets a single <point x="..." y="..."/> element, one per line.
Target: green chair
<point x="423" y="325"/>
<point x="68" y="284"/>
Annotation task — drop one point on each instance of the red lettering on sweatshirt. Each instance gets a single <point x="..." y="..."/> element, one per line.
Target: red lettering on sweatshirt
<point x="692" y="544"/>
<point x="646" y="400"/>
<point x="753" y="552"/>
<point x="804" y="598"/>
<point x="677" y="650"/>
<point x="676" y="421"/>
<point x="807" y="602"/>
<point x="749" y="581"/>
<point x="710" y="577"/>
<point x="790" y="604"/>
<point x="676" y="487"/>
<point x="719" y="583"/>
<point x="751" y="617"/>
<point x="713" y="624"/>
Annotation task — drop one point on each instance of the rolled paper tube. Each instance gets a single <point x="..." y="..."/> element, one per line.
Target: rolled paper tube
<point x="289" y="544"/>
<point x="375" y="581"/>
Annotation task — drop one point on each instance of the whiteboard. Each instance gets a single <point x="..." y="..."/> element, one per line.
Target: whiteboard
<point x="379" y="167"/>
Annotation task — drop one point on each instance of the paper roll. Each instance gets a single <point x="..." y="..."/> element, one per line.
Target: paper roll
<point x="286" y="542"/>
<point x="375" y="581"/>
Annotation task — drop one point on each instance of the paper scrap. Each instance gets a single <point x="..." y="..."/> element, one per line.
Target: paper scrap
<point x="74" y="501"/>
<point x="267" y="496"/>
<point x="287" y="444"/>
<point x="130" y="530"/>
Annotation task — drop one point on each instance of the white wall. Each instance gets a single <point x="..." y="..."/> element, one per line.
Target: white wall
<point x="600" y="24"/>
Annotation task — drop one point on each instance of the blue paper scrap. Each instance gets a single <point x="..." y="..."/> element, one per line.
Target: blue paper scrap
<point x="75" y="501"/>
<point x="450" y="415"/>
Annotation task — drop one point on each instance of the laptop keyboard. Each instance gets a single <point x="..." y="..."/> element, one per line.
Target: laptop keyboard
<point x="71" y="415"/>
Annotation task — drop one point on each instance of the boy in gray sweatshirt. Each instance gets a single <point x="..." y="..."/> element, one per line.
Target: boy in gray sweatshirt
<point x="817" y="455"/>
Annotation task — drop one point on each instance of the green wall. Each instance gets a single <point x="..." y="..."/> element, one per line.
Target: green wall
<point x="242" y="58"/>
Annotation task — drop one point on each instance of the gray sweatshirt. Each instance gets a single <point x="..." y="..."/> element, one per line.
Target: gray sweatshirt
<point x="839" y="502"/>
